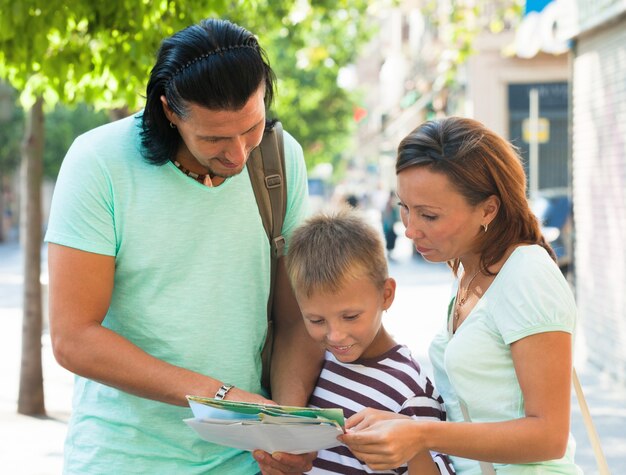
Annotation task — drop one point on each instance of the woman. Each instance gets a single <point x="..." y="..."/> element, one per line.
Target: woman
<point x="503" y="362"/>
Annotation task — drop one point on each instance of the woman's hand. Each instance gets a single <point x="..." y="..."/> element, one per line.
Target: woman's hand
<point x="280" y="463"/>
<point x="383" y="440"/>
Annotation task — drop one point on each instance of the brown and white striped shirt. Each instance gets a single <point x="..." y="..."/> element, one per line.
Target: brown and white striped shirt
<point x="390" y="382"/>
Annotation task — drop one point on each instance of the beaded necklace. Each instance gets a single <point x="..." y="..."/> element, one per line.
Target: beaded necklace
<point x="205" y="179"/>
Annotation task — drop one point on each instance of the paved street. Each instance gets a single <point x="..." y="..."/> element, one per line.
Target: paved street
<point x="33" y="446"/>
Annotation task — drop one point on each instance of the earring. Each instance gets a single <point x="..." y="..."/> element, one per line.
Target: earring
<point x="485" y="227"/>
<point x="172" y="126"/>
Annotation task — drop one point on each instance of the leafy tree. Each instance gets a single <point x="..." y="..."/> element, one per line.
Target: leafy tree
<point x="11" y="129"/>
<point x="101" y="53"/>
<point x="458" y="23"/>
<point x="308" y="57"/>
<point x="63" y="125"/>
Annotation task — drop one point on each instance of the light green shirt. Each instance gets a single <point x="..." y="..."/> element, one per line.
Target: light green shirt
<point x="191" y="288"/>
<point x="528" y="296"/>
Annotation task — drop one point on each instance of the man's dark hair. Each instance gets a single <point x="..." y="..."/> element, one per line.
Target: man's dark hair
<point x="214" y="64"/>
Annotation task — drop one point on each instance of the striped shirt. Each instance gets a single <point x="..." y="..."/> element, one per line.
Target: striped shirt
<point x="391" y="382"/>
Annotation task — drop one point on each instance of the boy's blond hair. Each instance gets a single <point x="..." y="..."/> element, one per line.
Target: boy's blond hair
<point x="332" y="247"/>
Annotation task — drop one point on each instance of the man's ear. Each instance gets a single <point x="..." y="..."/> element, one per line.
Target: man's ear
<point x="167" y="111"/>
<point x="389" y="292"/>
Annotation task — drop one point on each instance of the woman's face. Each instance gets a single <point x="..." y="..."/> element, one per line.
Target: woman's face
<point x="438" y="219"/>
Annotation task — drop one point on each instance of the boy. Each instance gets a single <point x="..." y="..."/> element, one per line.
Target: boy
<point x="337" y="268"/>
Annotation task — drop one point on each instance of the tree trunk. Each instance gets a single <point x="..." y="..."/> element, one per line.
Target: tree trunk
<point x="31" y="398"/>
<point x="119" y="113"/>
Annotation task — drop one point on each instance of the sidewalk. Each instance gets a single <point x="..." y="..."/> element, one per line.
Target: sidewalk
<point x="34" y="446"/>
<point x="31" y="445"/>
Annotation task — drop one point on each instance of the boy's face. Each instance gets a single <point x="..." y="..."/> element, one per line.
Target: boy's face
<point x="348" y="323"/>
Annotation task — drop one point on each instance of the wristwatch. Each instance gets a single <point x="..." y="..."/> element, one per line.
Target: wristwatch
<point x="223" y="390"/>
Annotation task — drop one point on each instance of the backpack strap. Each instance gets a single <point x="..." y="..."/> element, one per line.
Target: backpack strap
<point x="266" y="169"/>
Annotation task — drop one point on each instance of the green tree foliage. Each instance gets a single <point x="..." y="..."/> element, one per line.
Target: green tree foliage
<point x="459" y="22"/>
<point x="101" y="53"/>
<point x="11" y="130"/>
<point x="308" y="55"/>
<point x="63" y="125"/>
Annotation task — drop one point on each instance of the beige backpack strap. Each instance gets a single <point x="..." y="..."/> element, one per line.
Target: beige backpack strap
<point x="266" y="167"/>
<point x="603" y="467"/>
<point x="486" y="468"/>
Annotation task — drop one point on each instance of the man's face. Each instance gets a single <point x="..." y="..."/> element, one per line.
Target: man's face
<point x="219" y="141"/>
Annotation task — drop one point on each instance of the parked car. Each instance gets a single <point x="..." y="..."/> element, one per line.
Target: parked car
<point x="553" y="208"/>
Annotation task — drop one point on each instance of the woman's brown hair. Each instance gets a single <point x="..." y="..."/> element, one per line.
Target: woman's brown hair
<point x="479" y="163"/>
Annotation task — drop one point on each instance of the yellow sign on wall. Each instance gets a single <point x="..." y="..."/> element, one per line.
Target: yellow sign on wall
<point x="542" y="134"/>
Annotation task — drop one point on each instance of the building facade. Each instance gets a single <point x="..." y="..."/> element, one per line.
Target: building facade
<point x="597" y="30"/>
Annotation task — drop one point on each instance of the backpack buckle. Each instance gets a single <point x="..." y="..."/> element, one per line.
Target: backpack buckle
<point x="279" y="246"/>
<point x="273" y="181"/>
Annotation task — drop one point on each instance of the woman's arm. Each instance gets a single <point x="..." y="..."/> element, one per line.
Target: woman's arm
<point x="543" y="364"/>
<point x="81" y="285"/>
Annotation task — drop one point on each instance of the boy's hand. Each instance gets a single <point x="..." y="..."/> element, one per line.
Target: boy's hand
<point x="280" y="463"/>
<point x="367" y="417"/>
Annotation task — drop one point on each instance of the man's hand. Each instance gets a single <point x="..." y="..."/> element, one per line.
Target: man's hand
<point x="280" y="463"/>
<point x="239" y="395"/>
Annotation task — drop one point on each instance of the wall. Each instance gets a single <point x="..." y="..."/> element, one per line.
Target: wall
<point x="599" y="188"/>
<point x="490" y="72"/>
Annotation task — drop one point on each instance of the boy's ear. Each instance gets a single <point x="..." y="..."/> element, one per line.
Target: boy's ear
<point x="389" y="292"/>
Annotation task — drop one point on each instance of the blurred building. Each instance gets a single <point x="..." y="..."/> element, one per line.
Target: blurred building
<point x="397" y="72"/>
<point x="597" y="31"/>
<point x="518" y="85"/>
<point x="555" y="85"/>
<point x="500" y="84"/>
<point x="411" y="73"/>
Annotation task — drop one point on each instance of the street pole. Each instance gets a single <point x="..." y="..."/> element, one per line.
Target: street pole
<point x="533" y="143"/>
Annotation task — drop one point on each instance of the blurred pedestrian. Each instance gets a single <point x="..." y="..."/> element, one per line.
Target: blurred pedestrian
<point x="503" y="362"/>
<point x="352" y="200"/>
<point x="390" y="216"/>
<point x="160" y="266"/>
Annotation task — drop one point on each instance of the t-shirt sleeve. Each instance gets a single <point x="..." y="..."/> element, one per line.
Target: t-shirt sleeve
<point x="424" y="407"/>
<point x="297" y="186"/>
<point x="81" y="213"/>
<point x="536" y="299"/>
<point x="429" y="406"/>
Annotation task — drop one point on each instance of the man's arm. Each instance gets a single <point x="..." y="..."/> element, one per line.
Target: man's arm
<point x="296" y="365"/>
<point x="81" y="285"/>
<point x="296" y="358"/>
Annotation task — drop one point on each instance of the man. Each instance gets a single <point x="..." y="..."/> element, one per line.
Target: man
<point x="159" y="266"/>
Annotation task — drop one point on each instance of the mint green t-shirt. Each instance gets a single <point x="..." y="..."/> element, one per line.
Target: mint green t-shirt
<point x="528" y="296"/>
<point x="191" y="288"/>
